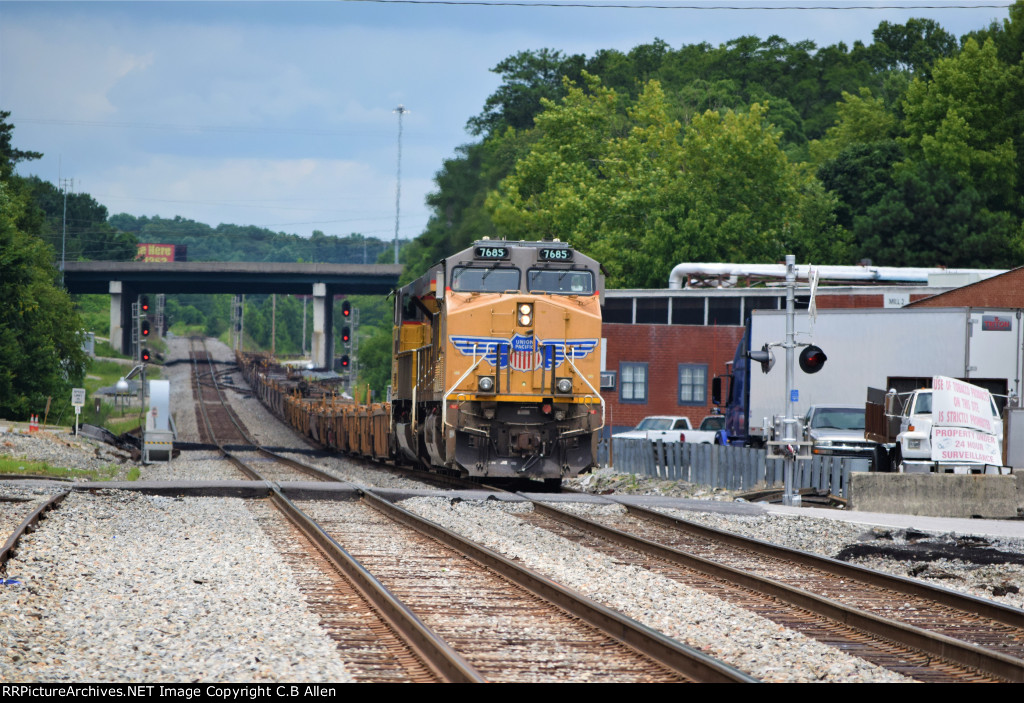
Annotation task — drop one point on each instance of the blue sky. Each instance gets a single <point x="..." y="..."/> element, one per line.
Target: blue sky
<point x="281" y="114"/>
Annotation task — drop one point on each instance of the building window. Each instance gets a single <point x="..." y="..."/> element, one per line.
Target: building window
<point x="688" y="311"/>
<point x="652" y="311"/>
<point x="633" y="382"/>
<point x="693" y="384"/>
<point x="617" y="310"/>
<point x="724" y="311"/>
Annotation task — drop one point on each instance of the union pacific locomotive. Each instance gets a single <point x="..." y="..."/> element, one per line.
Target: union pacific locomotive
<point x="497" y="362"/>
<point x="495" y="369"/>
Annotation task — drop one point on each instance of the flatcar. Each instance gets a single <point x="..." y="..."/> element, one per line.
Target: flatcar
<point x="496" y="364"/>
<point x="495" y="369"/>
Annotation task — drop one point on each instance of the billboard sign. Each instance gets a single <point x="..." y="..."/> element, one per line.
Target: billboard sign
<point x="155" y="252"/>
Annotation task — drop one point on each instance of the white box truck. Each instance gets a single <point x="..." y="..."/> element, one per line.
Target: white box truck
<point x="903" y="348"/>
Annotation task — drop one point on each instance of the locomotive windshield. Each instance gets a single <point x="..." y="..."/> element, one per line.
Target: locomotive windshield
<point x="487" y="280"/>
<point x="566" y="282"/>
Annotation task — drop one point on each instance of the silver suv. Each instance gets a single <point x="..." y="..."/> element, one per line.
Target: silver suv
<point x="838" y="430"/>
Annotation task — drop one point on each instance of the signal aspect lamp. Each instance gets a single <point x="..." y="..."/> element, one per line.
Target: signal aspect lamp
<point x="812" y="358"/>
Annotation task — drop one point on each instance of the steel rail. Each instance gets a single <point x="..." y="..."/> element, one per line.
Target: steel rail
<point x="28" y="524"/>
<point x="436" y="654"/>
<point x="444" y="661"/>
<point x="253" y="445"/>
<point x="676" y="656"/>
<point x="963" y="653"/>
<point x="1013" y="617"/>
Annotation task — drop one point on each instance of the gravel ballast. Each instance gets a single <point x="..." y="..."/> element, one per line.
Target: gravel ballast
<point x="117" y="586"/>
<point x="199" y="594"/>
<point x="747" y="641"/>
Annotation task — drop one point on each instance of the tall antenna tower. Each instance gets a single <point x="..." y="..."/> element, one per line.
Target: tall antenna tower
<point x="398" y="188"/>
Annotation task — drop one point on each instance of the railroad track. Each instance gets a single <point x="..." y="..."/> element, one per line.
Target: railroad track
<point x="222" y="427"/>
<point x="510" y="624"/>
<point x="927" y="633"/>
<point x="504" y="631"/>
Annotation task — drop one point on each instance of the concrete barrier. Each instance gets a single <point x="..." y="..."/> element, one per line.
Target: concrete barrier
<point x="939" y="495"/>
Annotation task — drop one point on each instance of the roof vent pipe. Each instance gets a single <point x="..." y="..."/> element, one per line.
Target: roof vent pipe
<point x="720" y="275"/>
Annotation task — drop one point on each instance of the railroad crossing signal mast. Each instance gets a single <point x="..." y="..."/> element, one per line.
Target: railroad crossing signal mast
<point x="786" y="442"/>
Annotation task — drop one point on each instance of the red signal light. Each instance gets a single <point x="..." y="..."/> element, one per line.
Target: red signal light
<point x="812" y="358"/>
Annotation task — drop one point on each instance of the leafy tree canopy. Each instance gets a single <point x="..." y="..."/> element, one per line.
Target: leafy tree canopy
<point x="633" y="189"/>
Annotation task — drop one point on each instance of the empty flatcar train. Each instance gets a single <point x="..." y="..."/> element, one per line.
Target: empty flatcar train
<point x="495" y="369"/>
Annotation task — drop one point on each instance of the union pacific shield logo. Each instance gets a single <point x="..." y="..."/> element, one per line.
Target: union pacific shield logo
<point x="521" y="353"/>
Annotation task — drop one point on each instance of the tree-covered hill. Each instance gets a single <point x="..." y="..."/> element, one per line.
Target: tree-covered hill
<point x="227" y="242"/>
<point x="905" y="151"/>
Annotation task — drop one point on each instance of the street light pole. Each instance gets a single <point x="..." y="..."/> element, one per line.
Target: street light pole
<point x="398" y="188"/>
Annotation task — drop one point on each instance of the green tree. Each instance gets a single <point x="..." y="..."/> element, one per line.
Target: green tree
<point x="81" y="228"/>
<point x="862" y="119"/>
<point x="40" y="333"/>
<point x="965" y="120"/>
<point x="931" y="217"/>
<point x="911" y="48"/>
<point x="640" y="194"/>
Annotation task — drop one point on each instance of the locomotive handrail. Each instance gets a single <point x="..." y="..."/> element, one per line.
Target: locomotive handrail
<point x="568" y="357"/>
<point x="448" y="393"/>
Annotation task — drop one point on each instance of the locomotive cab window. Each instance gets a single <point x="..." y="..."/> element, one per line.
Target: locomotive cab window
<point x="564" y="282"/>
<point x="485" y="280"/>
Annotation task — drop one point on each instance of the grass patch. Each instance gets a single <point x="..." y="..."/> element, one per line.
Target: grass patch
<point x="182" y="329"/>
<point x="25" y="467"/>
<point x="123" y="423"/>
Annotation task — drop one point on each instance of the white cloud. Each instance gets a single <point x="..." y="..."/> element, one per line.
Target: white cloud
<point x="291" y="195"/>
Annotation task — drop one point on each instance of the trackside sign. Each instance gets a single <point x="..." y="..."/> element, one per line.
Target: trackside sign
<point x="963" y="425"/>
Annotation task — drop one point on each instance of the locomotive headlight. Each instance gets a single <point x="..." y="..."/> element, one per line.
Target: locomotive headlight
<point x="564" y="385"/>
<point x="485" y="383"/>
<point x="525" y="314"/>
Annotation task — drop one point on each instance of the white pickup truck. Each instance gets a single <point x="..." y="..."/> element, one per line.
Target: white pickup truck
<point x="952" y="427"/>
<point x="675" y="428"/>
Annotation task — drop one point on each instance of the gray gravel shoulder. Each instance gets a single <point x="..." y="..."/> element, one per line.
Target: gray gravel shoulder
<point x="103" y="600"/>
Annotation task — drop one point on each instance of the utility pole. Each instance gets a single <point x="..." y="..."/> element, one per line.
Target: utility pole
<point x="65" y="183"/>
<point x="398" y="188"/>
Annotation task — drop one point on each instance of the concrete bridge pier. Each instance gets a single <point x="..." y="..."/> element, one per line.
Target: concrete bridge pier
<point x="120" y="318"/>
<point x="323" y="326"/>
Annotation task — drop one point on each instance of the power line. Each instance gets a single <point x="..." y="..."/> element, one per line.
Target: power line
<point x="650" y="6"/>
<point x="197" y="128"/>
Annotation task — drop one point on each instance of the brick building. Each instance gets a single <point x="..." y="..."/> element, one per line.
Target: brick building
<point x="1005" y="291"/>
<point x="663" y="347"/>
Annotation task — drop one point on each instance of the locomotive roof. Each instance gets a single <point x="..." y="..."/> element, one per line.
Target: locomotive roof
<point x="522" y="254"/>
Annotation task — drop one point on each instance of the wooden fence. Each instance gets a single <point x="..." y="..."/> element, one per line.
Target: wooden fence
<point x="732" y="468"/>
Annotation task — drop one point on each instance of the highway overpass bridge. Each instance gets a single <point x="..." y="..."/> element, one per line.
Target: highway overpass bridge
<point x="126" y="280"/>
